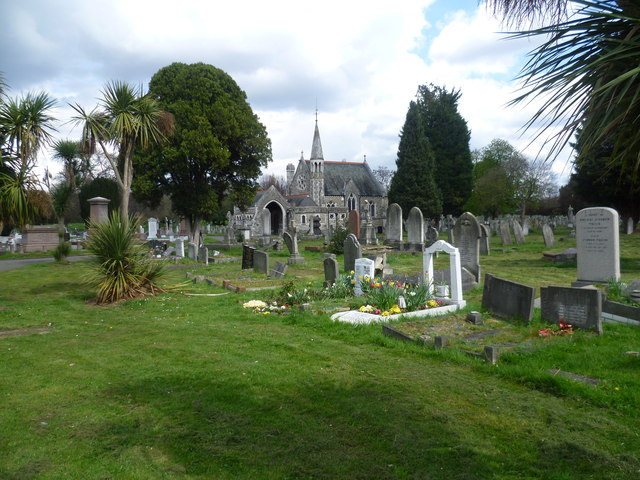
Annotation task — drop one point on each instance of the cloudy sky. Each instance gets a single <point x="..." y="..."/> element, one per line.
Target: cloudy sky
<point x="359" y="62"/>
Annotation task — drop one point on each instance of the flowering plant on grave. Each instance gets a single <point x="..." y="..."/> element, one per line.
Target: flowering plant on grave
<point x="562" y="328"/>
<point x="384" y="295"/>
<point x="259" y="306"/>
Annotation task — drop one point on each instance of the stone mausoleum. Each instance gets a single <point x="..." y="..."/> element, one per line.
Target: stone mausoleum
<point x="319" y="195"/>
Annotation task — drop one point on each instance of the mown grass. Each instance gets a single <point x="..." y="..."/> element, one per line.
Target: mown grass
<point x="178" y="386"/>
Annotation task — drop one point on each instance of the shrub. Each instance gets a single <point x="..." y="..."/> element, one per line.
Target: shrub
<point x="122" y="268"/>
<point x="336" y="244"/>
<point x="62" y="251"/>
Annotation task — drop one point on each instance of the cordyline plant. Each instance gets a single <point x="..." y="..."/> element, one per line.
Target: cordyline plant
<point x="122" y="269"/>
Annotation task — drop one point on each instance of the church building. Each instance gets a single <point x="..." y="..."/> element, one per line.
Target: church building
<point x="319" y="195"/>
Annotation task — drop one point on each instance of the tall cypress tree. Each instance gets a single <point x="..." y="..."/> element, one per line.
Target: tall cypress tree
<point x="413" y="184"/>
<point x="449" y="137"/>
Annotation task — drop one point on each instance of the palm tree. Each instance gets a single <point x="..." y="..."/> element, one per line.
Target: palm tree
<point x="126" y="118"/>
<point x="588" y="70"/>
<point x="68" y="152"/>
<point x="25" y="126"/>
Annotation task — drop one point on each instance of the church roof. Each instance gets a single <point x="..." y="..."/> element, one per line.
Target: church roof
<point x="336" y="174"/>
<point x="301" y="201"/>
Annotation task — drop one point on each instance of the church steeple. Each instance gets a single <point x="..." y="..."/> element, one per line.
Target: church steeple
<point x="316" y="162"/>
<point x="316" y="148"/>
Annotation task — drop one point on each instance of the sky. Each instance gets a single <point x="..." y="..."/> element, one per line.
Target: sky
<point x="359" y="63"/>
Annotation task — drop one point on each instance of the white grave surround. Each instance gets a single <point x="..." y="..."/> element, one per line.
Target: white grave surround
<point x="456" y="302"/>
<point x="364" y="268"/>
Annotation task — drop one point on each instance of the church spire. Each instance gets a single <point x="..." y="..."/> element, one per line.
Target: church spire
<point x="316" y="148"/>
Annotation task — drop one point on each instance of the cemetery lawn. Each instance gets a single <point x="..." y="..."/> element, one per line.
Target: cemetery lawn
<point x="196" y="387"/>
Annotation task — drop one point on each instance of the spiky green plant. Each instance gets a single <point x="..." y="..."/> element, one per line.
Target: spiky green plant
<point x="62" y="251"/>
<point x="122" y="270"/>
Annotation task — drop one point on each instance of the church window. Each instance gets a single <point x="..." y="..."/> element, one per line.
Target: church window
<point x="351" y="202"/>
<point x="304" y="219"/>
<point x="372" y="209"/>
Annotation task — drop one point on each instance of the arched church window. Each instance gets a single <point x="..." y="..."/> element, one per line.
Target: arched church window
<point x="303" y="219"/>
<point x="372" y="209"/>
<point x="351" y="202"/>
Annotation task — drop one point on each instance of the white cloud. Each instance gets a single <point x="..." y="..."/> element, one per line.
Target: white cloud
<point x="362" y="61"/>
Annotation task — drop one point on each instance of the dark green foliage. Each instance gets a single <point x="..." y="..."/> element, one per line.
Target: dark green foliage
<point x="100" y="187"/>
<point x="217" y="148"/>
<point x="449" y="137"/>
<point x="599" y="182"/>
<point x="413" y="184"/>
<point x="122" y="268"/>
<point x="62" y="251"/>
<point x="336" y="244"/>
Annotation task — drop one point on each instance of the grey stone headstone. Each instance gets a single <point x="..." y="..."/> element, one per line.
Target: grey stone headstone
<point x="352" y="251"/>
<point x="505" y="234"/>
<point x="485" y="235"/>
<point x="508" y="299"/>
<point x="288" y="241"/>
<point x="203" y="255"/>
<point x="630" y="226"/>
<point x="430" y="236"/>
<point x="330" y="270"/>
<point x="260" y="261"/>
<point x="393" y="230"/>
<point x="193" y="251"/>
<point x="279" y="270"/>
<point x="580" y="307"/>
<point x="547" y="234"/>
<point x="364" y="268"/>
<point x="466" y="234"/>
<point x="597" y="241"/>
<point x="247" y="257"/>
<point x="517" y="232"/>
<point x="153" y="228"/>
<point x="179" y="248"/>
<point x="415" y="227"/>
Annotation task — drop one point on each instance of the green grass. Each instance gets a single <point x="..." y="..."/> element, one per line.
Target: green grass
<point x="183" y="387"/>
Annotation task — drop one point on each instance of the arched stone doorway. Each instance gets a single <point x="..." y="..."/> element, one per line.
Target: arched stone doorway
<point x="273" y="216"/>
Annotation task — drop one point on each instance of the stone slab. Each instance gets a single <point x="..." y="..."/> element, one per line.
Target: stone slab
<point x="580" y="307"/>
<point x="508" y="299"/>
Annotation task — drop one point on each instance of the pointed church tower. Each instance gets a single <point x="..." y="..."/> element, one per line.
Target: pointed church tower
<point x="316" y="165"/>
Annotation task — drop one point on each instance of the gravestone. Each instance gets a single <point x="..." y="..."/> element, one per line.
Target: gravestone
<point x="517" y="232"/>
<point x="39" y="238"/>
<point x="597" y="241"/>
<point x="393" y="230"/>
<point x="353" y="224"/>
<point x="179" y="248"/>
<point x="580" y="307"/>
<point x="526" y="225"/>
<point x="247" y="257"/>
<point x="203" y="255"/>
<point x="99" y="209"/>
<point x="485" y="234"/>
<point x="330" y="271"/>
<point x="364" y="271"/>
<point x="316" y="226"/>
<point x="630" y="226"/>
<point x="430" y="236"/>
<point x="279" y="270"/>
<point x="505" y="234"/>
<point x="192" y="251"/>
<point x="508" y="299"/>
<point x="547" y="234"/>
<point x="260" y="261"/>
<point x="352" y="251"/>
<point x="370" y="233"/>
<point x="415" y="227"/>
<point x="291" y="241"/>
<point x="153" y="228"/>
<point x="467" y="233"/>
<point x="454" y="269"/>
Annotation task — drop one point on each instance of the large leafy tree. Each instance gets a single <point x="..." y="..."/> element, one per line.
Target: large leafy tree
<point x="449" y="137"/>
<point x="413" y="184"/>
<point x="25" y="126"/>
<point x="587" y="70"/>
<point x="125" y="119"/>
<point x="216" y="151"/>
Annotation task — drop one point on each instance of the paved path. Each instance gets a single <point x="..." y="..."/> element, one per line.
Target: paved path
<point x="21" y="262"/>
